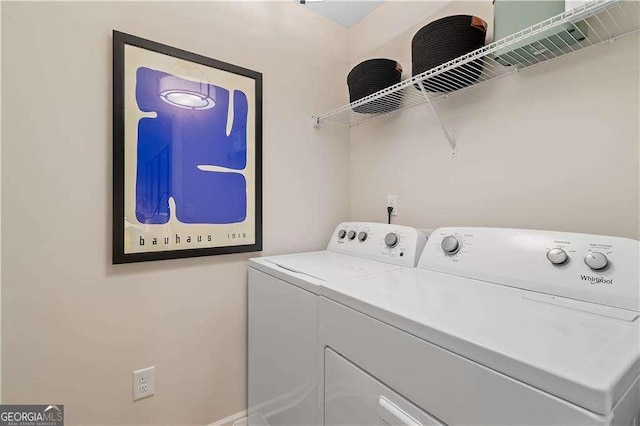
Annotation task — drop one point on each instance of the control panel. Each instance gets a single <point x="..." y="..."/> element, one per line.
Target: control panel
<point x="591" y="268"/>
<point x="395" y="244"/>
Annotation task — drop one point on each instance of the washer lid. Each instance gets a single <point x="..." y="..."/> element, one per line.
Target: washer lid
<point x="584" y="353"/>
<point x="328" y="266"/>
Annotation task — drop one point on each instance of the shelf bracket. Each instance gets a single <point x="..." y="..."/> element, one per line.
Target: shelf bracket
<point x="447" y="135"/>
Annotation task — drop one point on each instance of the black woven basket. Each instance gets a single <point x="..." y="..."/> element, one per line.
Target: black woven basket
<point x="444" y="40"/>
<point x="370" y="77"/>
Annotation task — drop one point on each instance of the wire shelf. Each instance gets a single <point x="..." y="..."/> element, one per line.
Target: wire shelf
<point x="586" y="26"/>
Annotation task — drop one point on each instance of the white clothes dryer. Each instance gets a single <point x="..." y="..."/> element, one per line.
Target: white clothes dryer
<point x="284" y="357"/>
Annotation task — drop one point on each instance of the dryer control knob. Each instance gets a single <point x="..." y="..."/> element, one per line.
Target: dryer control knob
<point x="362" y="236"/>
<point x="351" y="235"/>
<point x="557" y="256"/>
<point x="450" y="244"/>
<point x="596" y="260"/>
<point x="342" y="233"/>
<point x="392" y="239"/>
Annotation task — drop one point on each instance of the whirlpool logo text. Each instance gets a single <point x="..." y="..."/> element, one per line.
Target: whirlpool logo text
<point x="596" y="280"/>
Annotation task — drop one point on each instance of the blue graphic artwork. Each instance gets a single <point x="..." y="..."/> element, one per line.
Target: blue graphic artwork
<point x="175" y="149"/>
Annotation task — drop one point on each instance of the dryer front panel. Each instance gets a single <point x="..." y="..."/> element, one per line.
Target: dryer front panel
<point x="353" y="397"/>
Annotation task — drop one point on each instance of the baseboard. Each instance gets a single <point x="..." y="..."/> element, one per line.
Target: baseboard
<point x="229" y="421"/>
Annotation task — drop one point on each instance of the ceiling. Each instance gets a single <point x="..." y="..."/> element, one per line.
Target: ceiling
<point x="347" y="13"/>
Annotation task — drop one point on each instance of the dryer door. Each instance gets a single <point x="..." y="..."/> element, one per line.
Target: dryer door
<point x="353" y="397"/>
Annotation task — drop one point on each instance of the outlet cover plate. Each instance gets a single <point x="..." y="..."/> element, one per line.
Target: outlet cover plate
<point x="144" y="383"/>
<point x="392" y="201"/>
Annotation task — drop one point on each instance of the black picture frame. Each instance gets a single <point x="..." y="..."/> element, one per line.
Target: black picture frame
<point x="120" y="40"/>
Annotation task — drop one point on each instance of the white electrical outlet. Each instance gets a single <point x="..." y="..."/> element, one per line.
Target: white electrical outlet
<point x="144" y="383"/>
<point x="392" y="201"/>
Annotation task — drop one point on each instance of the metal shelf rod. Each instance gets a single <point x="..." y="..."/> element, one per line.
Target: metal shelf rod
<point x="447" y="135"/>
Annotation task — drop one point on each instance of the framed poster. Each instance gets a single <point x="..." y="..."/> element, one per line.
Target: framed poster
<point x="187" y="154"/>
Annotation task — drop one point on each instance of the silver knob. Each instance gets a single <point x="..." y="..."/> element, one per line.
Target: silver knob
<point x="351" y="235"/>
<point x="450" y="244"/>
<point x="392" y="239"/>
<point x="557" y="256"/>
<point x="362" y="236"/>
<point x="596" y="260"/>
<point x="342" y="233"/>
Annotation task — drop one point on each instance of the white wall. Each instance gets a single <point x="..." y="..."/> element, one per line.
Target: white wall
<point x="386" y="23"/>
<point x="74" y="327"/>
<point x="555" y="147"/>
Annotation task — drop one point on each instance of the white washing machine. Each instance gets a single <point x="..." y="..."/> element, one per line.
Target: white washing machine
<point x="495" y="326"/>
<point x="284" y="358"/>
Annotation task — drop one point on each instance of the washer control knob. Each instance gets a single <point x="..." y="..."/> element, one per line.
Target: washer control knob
<point x="392" y="239"/>
<point x="557" y="256"/>
<point x="450" y="244"/>
<point x="342" y="233"/>
<point x="362" y="236"/>
<point x="596" y="260"/>
<point x="351" y="235"/>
